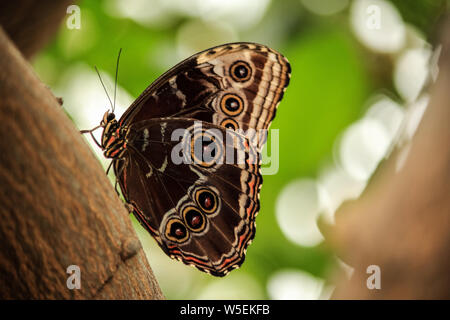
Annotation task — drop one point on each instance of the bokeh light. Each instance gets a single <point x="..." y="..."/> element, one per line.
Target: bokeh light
<point x="297" y="209"/>
<point x="338" y="186"/>
<point x="411" y="72"/>
<point x="362" y="146"/>
<point x="388" y="113"/>
<point x="378" y="25"/>
<point x="294" y="285"/>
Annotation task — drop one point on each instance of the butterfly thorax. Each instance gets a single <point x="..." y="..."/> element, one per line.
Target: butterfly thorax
<point x="113" y="137"/>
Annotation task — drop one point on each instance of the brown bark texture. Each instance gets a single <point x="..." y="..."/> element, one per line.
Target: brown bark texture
<point x="58" y="208"/>
<point x="401" y="223"/>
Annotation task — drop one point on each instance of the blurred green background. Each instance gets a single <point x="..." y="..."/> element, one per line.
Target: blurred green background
<point x="359" y="69"/>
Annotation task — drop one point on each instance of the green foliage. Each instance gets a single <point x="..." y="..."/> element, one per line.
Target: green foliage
<point x="424" y="14"/>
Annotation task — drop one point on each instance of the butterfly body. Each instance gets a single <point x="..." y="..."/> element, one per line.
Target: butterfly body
<point x="201" y="210"/>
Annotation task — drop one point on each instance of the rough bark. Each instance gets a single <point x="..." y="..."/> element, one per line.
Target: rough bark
<point x="401" y="222"/>
<point x="58" y="208"/>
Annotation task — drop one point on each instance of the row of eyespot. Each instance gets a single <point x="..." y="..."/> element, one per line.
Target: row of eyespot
<point x="231" y="104"/>
<point x="193" y="219"/>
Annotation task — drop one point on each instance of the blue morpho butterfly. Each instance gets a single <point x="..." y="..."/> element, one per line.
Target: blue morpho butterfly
<point x="201" y="212"/>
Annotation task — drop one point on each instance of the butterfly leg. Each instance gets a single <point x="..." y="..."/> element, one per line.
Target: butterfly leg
<point x="118" y="175"/>
<point x="109" y="167"/>
<point x="116" y="182"/>
<point x="92" y="135"/>
<point x="95" y="140"/>
<point x="115" y="187"/>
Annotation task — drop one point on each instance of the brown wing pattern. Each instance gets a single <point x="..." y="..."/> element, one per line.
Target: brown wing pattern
<point x="237" y="85"/>
<point x="202" y="212"/>
<point x="201" y="206"/>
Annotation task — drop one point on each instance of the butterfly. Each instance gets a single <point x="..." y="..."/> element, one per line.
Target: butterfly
<point x="199" y="207"/>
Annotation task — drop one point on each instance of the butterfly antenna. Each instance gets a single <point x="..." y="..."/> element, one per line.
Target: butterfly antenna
<point x="115" y="83"/>
<point x="98" y="73"/>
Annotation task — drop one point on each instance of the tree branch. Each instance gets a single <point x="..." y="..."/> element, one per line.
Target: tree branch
<point x="58" y="207"/>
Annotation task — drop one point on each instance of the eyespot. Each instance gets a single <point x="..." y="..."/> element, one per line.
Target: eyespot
<point x="194" y="219"/>
<point x="206" y="149"/>
<point x="231" y="104"/>
<point x="176" y="231"/>
<point x="229" y="124"/>
<point x="206" y="199"/>
<point x="240" y="71"/>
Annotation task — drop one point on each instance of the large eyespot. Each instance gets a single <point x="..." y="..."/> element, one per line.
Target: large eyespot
<point x="240" y="71"/>
<point x="176" y="231"/>
<point x="229" y="124"/>
<point x="206" y="149"/>
<point x="231" y="104"/>
<point x="206" y="199"/>
<point x="194" y="219"/>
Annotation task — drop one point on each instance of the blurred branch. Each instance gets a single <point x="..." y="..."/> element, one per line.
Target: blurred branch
<point x="401" y="222"/>
<point x="58" y="207"/>
<point x="30" y="24"/>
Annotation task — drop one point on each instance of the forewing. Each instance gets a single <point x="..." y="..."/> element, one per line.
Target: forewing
<point x="237" y="85"/>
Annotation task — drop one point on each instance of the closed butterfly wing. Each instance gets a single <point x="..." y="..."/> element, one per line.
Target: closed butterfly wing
<point x="195" y="187"/>
<point x="196" y="190"/>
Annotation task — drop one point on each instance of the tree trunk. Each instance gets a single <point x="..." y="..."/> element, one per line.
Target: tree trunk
<point x="401" y="223"/>
<point x="58" y="208"/>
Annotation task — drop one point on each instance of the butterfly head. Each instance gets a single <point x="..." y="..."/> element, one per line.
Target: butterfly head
<point x="108" y="117"/>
